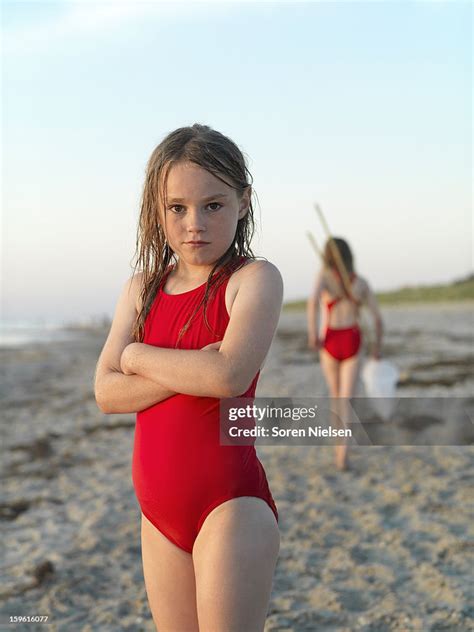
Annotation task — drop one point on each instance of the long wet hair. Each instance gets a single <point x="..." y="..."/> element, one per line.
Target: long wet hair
<point x="347" y="259"/>
<point x="218" y="154"/>
<point x="345" y="252"/>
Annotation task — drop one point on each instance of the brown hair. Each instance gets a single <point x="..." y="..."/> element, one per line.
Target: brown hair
<point x="219" y="155"/>
<point x="344" y="251"/>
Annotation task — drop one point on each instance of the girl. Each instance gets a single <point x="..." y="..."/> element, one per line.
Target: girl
<point x="193" y="326"/>
<point x="340" y="346"/>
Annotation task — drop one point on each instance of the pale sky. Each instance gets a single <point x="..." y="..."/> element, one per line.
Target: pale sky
<point x="363" y="107"/>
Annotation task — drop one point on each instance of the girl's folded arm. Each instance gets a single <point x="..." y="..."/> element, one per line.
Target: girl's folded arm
<point x="114" y="391"/>
<point x="226" y="372"/>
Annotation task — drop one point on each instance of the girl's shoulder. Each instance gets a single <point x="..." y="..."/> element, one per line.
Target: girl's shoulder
<point x="361" y="284"/>
<point x="258" y="272"/>
<point x="136" y="287"/>
<point x="260" y="269"/>
<point x="331" y="284"/>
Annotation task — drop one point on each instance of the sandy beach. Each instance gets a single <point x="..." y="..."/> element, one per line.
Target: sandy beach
<point x="386" y="545"/>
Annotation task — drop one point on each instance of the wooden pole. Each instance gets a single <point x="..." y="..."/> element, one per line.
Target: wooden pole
<point x="312" y="240"/>
<point x="336" y="253"/>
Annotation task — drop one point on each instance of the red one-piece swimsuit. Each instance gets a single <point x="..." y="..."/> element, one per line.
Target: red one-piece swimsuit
<point x="180" y="471"/>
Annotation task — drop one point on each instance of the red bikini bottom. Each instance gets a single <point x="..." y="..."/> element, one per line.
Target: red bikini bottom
<point x="342" y="343"/>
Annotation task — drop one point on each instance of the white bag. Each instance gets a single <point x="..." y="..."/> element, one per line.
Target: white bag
<point x="380" y="381"/>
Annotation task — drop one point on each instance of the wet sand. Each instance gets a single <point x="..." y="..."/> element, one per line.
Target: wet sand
<point x="386" y="545"/>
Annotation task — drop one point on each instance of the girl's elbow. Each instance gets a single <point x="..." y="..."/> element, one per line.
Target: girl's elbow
<point x="233" y="379"/>
<point x="108" y="409"/>
<point x="98" y="396"/>
<point x="236" y="385"/>
<point x="228" y="388"/>
<point x="101" y="406"/>
<point x="102" y="403"/>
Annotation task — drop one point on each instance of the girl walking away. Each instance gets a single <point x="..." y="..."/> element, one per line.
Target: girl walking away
<point x="340" y="345"/>
<point x="193" y="326"/>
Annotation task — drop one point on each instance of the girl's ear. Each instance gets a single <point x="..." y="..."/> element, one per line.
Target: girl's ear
<point x="245" y="202"/>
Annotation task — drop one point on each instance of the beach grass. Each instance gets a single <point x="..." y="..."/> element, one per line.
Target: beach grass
<point x="460" y="290"/>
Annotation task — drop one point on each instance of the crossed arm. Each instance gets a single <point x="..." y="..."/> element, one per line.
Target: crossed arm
<point x="211" y="372"/>
<point x="115" y="392"/>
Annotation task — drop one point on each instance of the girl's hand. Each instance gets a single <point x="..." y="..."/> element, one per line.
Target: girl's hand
<point x="125" y="360"/>
<point x="314" y="342"/>
<point x="213" y="345"/>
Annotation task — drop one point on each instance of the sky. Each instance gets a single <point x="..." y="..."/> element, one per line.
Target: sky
<point x="362" y="107"/>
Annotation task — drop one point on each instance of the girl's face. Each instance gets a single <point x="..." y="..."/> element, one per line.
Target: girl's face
<point x="201" y="214"/>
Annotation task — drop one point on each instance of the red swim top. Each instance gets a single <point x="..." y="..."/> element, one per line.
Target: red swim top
<point x="180" y="471"/>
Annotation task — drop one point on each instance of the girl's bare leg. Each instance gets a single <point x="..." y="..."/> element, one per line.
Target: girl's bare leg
<point x="235" y="555"/>
<point x="330" y="367"/>
<point x="348" y="373"/>
<point x="169" y="582"/>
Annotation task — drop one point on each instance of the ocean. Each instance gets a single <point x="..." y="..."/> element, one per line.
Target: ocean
<point x="21" y="333"/>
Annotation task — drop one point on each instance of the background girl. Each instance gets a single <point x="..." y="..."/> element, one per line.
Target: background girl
<point x="193" y="326"/>
<point x="340" y="345"/>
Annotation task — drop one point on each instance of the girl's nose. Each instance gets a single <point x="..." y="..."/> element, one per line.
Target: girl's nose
<point x="195" y="220"/>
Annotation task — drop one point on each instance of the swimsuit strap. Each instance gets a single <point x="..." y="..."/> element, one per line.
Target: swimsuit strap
<point x="229" y="271"/>
<point x="330" y="304"/>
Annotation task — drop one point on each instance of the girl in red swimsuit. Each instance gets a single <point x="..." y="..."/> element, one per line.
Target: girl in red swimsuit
<point x="194" y="326"/>
<point x="340" y="346"/>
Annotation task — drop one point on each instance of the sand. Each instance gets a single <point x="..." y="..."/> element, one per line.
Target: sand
<point x="386" y="545"/>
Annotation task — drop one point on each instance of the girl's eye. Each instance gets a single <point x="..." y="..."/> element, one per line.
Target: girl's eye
<point x="178" y="208"/>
